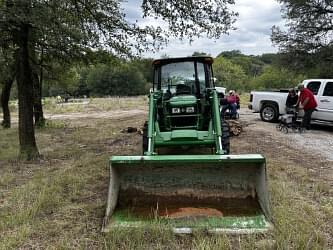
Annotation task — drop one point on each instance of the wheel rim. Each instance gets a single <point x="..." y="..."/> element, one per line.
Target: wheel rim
<point x="268" y="113"/>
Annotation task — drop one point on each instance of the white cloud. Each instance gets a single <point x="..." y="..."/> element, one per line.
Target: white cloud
<point x="252" y="36"/>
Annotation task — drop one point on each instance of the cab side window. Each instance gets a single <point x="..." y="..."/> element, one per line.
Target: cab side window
<point x="314" y="87"/>
<point x="328" y="91"/>
<point x="156" y="77"/>
<point x="201" y="76"/>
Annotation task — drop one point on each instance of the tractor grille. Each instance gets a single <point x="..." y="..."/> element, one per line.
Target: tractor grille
<point x="184" y="121"/>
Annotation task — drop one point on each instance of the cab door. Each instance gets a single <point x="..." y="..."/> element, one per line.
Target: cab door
<point x="325" y="101"/>
<point x="316" y="87"/>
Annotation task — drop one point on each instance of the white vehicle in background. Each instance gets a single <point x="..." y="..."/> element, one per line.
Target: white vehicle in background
<point x="272" y="104"/>
<point x="220" y="90"/>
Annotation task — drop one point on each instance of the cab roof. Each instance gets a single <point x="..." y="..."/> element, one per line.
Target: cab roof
<point x="204" y="59"/>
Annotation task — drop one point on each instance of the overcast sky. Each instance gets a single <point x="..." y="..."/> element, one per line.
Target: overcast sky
<point x="252" y="36"/>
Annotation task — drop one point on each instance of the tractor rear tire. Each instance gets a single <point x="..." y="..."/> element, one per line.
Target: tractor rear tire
<point x="225" y="136"/>
<point x="145" y="138"/>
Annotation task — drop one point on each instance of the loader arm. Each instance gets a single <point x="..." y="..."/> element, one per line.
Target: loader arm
<point x="151" y="125"/>
<point x="216" y="116"/>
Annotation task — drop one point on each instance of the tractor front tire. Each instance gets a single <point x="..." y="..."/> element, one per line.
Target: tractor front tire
<point x="145" y="138"/>
<point x="225" y="136"/>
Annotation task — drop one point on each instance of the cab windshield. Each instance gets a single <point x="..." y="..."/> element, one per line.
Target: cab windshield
<point x="183" y="77"/>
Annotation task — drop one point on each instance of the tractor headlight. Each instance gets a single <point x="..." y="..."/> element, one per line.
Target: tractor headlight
<point x="190" y="110"/>
<point x="175" y="110"/>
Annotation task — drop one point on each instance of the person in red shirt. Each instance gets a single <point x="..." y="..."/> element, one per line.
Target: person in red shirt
<point x="307" y="102"/>
<point x="231" y="104"/>
<point x="237" y="99"/>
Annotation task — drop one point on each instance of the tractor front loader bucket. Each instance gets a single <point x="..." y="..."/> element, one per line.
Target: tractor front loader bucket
<point x="218" y="193"/>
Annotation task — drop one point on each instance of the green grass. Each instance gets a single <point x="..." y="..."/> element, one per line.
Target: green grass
<point x="59" y="201"/>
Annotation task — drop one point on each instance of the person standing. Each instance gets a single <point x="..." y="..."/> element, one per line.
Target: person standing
<point x="307" y="102"/>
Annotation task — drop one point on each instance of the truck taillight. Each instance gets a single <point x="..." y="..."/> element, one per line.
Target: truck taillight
<point x="251" y="97"/>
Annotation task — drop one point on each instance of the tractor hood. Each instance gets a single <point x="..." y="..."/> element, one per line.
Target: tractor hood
<point x="183" y="101"/>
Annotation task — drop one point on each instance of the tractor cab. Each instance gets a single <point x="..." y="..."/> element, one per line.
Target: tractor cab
<point x="183" y="85"/>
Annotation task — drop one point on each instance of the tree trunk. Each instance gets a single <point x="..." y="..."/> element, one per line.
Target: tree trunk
<point x="38" y="107"/>
<point x="28" y="147"/>
<point x="5" y="95"/>
<point x="4" y="102"/>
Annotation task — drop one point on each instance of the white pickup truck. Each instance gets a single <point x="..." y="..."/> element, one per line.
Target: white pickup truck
<point x="272" y="104"/>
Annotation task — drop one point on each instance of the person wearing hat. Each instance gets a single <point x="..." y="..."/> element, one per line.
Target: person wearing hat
<point x="231" y="104"/>
<point x="307" y="102"/>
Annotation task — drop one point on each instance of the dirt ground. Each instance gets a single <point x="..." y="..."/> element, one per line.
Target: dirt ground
<point x="317" y="142"/>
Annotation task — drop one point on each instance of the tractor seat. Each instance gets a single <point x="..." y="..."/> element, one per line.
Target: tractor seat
<point x="182" y="89"/>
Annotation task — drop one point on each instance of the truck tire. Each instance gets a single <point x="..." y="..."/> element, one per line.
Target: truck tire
<point x="269" y="112"/>
<point x="145" y="138"/>
<point x="225" y="136"/>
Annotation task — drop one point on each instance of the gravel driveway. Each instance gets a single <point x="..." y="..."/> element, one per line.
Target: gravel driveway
<point x="318" y="141"/>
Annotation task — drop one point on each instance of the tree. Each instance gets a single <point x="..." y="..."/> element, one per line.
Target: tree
<point x="229" y="75"/>
<point x="71" y="28"/>
<point x="144" y="65"/>
<point x="274" y="78"/>
<point x="251" y="65"/>
<point x="197" y="53"/>
<point x="230" y="54"/>
<point x="309" y="38"/>
<point x="310" y="25"/>
<point x="269" y="58"/>
<point x="124" y="79"/>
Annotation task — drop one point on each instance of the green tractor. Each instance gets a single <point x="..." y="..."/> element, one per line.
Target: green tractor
<point x="186" y="178"/>
<point x="185" y="107"/>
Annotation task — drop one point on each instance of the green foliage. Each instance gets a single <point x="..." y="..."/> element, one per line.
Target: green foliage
<point x="269" y="58"/>
<point x="307" y="45"/>
<point x="144" y="65"/>
<point x="230" y="54"/>
<point x="229" y="75"/>
<point x="108" y="75"/>
<point x="310" y="26"/>
<point x="63" y="32"/>
<point x="61" y="80"/>
<point x="121" y="80"/>
<point x="67" y="29"/>
<point x="235" y="70"/>
<point x="252" y="66"/>
<point x="275" y="78"/>
<point x="314" y="65"/>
